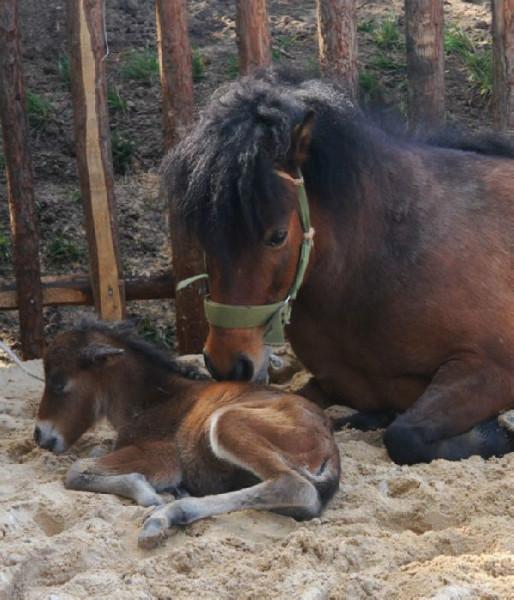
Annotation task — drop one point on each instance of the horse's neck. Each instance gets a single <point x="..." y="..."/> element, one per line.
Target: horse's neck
<point x="152" y="389"/>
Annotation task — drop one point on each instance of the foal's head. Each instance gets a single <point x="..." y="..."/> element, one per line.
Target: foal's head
<point x="78" y="367"/>
<point x="233" y="181"/>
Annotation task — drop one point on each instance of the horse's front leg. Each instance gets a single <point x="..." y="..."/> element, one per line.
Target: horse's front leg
<point x="135" y="472"/>
<point x="456" y="417"/>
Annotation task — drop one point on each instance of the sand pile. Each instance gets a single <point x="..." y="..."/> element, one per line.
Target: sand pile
<point x="444" y="530"/>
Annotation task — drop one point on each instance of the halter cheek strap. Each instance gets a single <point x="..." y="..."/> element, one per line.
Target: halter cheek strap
<point x="272" y="316"/>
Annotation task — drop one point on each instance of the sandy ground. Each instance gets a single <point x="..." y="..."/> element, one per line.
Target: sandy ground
<point x="443" y="530"/>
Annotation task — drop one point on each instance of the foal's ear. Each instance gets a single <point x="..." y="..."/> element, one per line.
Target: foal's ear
<point x="301" y="138"/>
<point x="97" y="354"/>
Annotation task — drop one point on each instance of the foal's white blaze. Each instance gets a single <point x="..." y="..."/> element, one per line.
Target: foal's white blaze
<point x="48" y="431"/>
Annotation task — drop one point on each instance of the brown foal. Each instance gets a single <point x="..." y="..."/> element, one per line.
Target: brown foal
<point x="232" y="445"/>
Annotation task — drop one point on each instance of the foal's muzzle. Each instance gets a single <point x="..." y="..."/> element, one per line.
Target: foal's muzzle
<point x="48" y="438"/>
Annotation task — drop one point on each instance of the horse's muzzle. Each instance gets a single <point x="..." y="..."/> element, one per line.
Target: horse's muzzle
<point x="242" y="370"/>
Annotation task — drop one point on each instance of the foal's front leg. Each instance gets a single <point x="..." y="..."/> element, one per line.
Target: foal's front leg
<point x="135" y="472"/>
<point x="456" y="417"/>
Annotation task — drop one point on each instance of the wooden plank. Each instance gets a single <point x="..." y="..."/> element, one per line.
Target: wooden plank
<point x="253" y="37"/>
<point x="503" y="56"/>
<point x="424" y="22"/>
<point x="92" y="137"/>
<point x="178" y="110"/>
<point x="20" y="183"/>
<point x="337" y="40"/>
<point x="77" y="291"/>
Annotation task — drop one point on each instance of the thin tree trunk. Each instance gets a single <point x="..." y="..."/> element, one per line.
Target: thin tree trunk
<point x="253" y="37"/>
<point x="93" y="143"/>
<point x="503" y="54"/>
<point x="424" y="20"/>
<point x="178" y="109"/>
<point x="20" y="184"/>
<point x="337" y="39"/>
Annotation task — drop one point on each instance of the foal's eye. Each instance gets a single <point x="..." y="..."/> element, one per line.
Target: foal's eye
<point x="277" y="238"/>
<point x="57" y="384"/>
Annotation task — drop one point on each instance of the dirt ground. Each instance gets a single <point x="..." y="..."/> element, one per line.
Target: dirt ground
<point x="443" y="531"/>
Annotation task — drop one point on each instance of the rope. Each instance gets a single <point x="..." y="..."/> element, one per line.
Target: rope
<point x="18" y="362"/>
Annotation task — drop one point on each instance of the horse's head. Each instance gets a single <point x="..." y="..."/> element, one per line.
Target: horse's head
<point x="236" y="182"/>
<point x="75" y="383"/>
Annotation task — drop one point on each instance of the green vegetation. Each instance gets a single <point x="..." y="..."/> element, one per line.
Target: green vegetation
<point x="366" y="26"/>
<point x="64" y="70"/>
<point x="76" y="197"/>
<point x="477" y="60"/>
<point x="387" y="35"/>
<point x="5" y="247"/>
<point x="140" y="65"/>
<point x="232" y="68"/>
<point x="160" y="335"/>
<point x="369" y="86"/>
<point x="39" y="109"/>
<point x="198" y="65"/>
<point x="383" y="62"/>
<point x="123" y="149"/>
<point x="115" y="100"/>
<point x="62" y="250"/>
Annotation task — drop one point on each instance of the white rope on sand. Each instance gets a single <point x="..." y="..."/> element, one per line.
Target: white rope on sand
<point x="17" y="361"/>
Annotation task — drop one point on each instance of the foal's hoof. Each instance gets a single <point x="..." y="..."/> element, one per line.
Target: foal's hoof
<point x="506" y="421"/>
<point x="154" y="532"/>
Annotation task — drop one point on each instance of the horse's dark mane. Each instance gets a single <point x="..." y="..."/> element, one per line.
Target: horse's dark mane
<point x="221" y="179"/>
<point x="123" y="333"/>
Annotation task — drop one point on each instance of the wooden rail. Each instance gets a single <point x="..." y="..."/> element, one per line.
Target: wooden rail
<point x="77" y="290"/>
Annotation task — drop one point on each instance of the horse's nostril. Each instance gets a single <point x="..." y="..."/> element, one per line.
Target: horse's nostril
<point x="243" y="369"/>
<point x="37" y="435"/>
<point x="50" y="444"/>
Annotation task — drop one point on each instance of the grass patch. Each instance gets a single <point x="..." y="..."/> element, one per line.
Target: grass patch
<point x="387" y="35"/>
<point x="115" y="100"/>
<point x="198" y="65"/>
<point x="366" y="26"/>
<point x="39" y="109"/>
<point x="161" y="336"/>
<point x="140" y="65"/>
<point x="64" y="70"/>
<point x="369" y="86"/>
<point x="123" y="149"/>
<point x="5" y="247"/>
<point x="383" y="62"/>
<point x="232" y="68"/>
<point x="62" y="250"/>
<point x="477" y="60"/>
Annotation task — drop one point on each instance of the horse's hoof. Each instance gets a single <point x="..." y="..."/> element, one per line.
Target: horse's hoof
<point x="154" y="532"/>
<point x="506" y="421"/>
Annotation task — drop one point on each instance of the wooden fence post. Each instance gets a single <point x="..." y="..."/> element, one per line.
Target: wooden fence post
<point x="424" y="21"/>
<point x="20" y="184"/>
<point x="178" y="111"/>
<point x="503" y="57"/>
<point x="337" y="40"/>
<point x="253" y="37"/>
<point x="86" y="20"/>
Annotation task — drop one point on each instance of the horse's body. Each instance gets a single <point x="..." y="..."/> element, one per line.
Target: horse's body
<point x="235" y="444"/>
<point x="408" y="302"/>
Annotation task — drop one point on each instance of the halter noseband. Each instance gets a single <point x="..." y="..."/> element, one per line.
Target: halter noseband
<point x="274" y="316"/>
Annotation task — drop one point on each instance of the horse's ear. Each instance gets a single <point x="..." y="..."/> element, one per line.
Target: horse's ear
<point x="301" y="138"/>
<point x="97" y="354"/>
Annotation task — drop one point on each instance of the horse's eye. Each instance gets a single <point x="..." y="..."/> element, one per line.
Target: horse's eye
<point x="277" y="238"/>
<point x="57" y="384"/>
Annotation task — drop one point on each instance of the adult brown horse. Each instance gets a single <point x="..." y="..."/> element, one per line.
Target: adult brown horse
<point x="407" y="304"/>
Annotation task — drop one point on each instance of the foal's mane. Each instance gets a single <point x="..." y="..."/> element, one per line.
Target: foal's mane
<point x="221" y="177"/>
<point x="123" y="333"/>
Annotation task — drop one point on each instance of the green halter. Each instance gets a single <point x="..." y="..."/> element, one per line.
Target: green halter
<point x="274" y="316"/>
